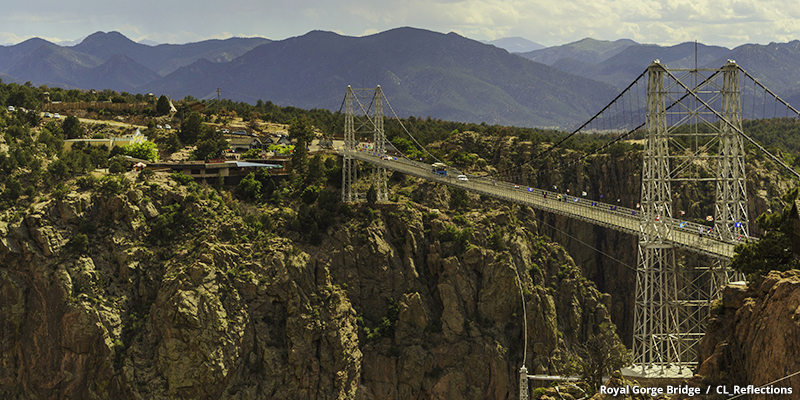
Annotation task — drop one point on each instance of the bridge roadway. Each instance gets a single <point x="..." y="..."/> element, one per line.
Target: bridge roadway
<point x="682" y="234"/>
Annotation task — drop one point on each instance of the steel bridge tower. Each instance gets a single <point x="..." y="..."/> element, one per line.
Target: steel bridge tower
<point x="363" y="120"/>
<point x="673" y="303"/>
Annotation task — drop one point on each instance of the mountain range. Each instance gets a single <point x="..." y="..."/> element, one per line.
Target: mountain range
<point x="110" y="60"/>
<point x="619" y="62"/>
<point x="422" y="73"/>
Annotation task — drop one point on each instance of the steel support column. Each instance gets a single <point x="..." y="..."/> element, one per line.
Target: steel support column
<point x="657" y="341"/>
<point x="731" y="221"/>
<point x="349" y="164"/>
<point x="379" y="176"/>
<point x="363" y="120"/>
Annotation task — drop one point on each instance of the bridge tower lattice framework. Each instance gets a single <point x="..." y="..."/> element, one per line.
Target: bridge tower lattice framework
<point x="361" y="120"/>
<point x="672" y="303"/>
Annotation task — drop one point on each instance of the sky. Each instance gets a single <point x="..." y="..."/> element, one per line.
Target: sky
<point x="727" y="23"/>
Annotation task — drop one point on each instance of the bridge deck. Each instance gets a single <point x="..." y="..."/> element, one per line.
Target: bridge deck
<point x="681" y="233"/>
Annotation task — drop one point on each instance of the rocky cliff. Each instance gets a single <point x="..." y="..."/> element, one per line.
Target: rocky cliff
<point x="607" y="257"/>
<point x="157" y="290"/>
<point x="754" y="336"/>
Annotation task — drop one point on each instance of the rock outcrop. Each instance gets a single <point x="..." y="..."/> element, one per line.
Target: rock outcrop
<point x="754" y="336"/>
<point x="162" y="291"/>
<point x="606" y="257"/>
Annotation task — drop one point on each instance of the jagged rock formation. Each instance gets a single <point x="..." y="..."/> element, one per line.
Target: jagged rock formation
<point x="156" y="291"/>
<point x="754" y="336"/>
<point x="607" y="257"/>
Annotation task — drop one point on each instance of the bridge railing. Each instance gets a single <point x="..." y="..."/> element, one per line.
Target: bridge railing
<point x="681" y="233"/>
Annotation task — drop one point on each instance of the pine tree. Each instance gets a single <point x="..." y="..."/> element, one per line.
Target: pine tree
<point x="372" y="195"/>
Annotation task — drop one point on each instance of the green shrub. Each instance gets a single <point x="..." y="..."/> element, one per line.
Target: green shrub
<point x="146" y="174"/>
<point x="145" y="150"/>
<point x="61" y="190"/>
<point x="86" y="182"/>
<point x="109" y="185"/>
<point x="13" y="189"/>
<point x="495" y="241"/>
<point x="252" y="153"/>
<point x="310" y="194"/>
<point x="181" y="178"/>
<point x="249" y="187"/>
<point x="79" y="244"/>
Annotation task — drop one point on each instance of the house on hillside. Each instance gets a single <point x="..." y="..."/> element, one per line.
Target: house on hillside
<point x="232" y="171"/>
<point x="242" y="143"/>
<point x="284" y="140"/>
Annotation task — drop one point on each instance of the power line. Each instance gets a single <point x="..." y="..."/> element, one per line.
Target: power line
<point x="765" y="385"/>
<point x="624" y="264"/>
<point x="407" y="132"/>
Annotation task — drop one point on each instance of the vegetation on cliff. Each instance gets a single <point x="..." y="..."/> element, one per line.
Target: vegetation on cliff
<point x="773" y="251"/>
<point x="142" y="285"/>
<point x="156" y="286"/>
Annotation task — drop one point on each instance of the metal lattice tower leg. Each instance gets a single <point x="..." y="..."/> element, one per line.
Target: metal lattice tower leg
<point x="703" y="284"/>
<point x="364" y="120"/>
<point x="731" y="220"/>
<point x="656" y="337"/>
<point x="379" y="176"/>
<point x="673" y="304"/>
<point x="349" y="164"/>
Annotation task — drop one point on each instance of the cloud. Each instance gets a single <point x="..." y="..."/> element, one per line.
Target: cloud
<point x="8" y="38"/>
<point x="724" y="22"/>
<point x="650" y="21"/>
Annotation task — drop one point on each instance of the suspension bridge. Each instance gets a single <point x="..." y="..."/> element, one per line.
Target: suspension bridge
<point x="691" y="120"/>
<point x="682" y="234"/>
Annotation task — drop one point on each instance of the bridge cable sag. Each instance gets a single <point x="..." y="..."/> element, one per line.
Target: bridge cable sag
<point x="674" y="103"/>
<point x="738" y="130"/>
<point x="332" y="125"/>
<point x="559" y="143"/>
<point x="407" y="132"/>
<point x="765" y="385"/>
<point x="766" y="90"/>
<point x="623" y="136"/>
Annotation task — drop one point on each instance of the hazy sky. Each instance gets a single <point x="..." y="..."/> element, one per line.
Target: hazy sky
<point x="549" y="22"/>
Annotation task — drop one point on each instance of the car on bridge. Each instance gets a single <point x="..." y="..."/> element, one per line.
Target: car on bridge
<point x="439" y="169"/>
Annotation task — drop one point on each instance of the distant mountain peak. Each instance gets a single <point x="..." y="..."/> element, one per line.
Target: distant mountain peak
<point x="586" y="50"/>
<point x="103" y="37"/>
<point x="516" y="44"/>
<point x="148" y="42"/>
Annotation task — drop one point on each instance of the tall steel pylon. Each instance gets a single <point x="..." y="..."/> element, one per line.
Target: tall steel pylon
<point x="655" y="338"/>
<point x="362" y="120"/>
<point x="673" y="303"/>
<point x="349" y="164"/>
